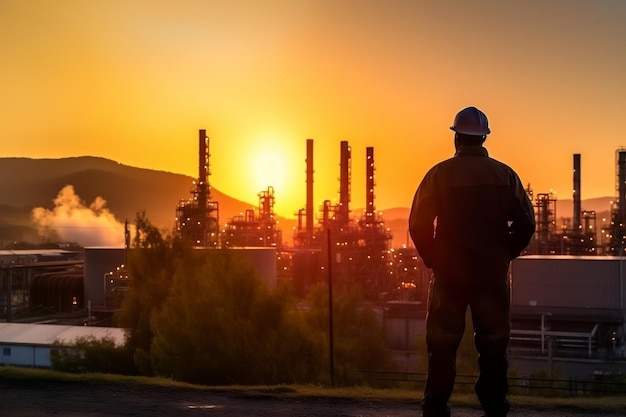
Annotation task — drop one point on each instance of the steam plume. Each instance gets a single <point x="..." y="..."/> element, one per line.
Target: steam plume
<point x="74" y="222"/>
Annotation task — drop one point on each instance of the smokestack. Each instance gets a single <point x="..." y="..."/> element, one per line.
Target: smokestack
<point x="621" y="186"/>
<point x="309" y="189"/>
<point x="344" y="183"/>
<point x="369" y="184"/>
<point x="203" y="171"/>
<point x="577" y="196"/>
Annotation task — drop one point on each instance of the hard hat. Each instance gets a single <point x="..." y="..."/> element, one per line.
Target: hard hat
<point x="471" y="121"/>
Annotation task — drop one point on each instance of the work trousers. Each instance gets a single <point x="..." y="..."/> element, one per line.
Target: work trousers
<point x="489" y="303"/>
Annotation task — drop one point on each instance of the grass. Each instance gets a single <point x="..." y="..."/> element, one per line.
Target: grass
<point x="293" y="391"/>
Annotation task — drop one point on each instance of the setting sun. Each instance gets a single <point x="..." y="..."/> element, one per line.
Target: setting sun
<point x="269" y="167"/>
<point x="267" y="161"/>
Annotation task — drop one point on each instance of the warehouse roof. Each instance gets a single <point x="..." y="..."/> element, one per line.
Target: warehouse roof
<point x="47" y="334"/>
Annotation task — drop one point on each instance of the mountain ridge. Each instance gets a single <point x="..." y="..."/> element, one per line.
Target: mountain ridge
<point x="27" y="183"/>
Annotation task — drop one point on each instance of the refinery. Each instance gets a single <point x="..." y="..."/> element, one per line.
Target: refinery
<point x="568" y="287"/>
<point x="360" y="246"/>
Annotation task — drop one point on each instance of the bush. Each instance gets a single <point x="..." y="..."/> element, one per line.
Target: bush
<point x="90" y="354"/>
<point x="221" y="325"/>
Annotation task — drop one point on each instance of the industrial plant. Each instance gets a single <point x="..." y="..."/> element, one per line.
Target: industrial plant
<point x="568" y="286"/>
<point x="360" y="247"/>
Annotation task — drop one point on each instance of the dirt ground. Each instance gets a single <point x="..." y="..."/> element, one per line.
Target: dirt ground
<point x="43" y="398"/>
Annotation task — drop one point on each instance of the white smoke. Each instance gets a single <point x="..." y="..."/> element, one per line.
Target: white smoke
<point x="74" y="222"/>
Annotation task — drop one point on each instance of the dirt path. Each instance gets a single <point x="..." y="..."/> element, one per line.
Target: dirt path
<point x="24" y="399"/>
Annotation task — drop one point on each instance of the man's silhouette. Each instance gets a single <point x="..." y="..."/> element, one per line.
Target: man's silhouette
<point x="470" y="217"/>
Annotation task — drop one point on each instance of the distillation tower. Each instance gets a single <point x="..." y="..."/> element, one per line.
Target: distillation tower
<point x="197" y="219"/>
<point x="575" y="236"/>
<point x="358" y="248"/>
<point x="252" y="230"/>
<point x="617" y="231"/>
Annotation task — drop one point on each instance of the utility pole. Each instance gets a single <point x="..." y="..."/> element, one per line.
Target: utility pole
<point x="331" y="337"/>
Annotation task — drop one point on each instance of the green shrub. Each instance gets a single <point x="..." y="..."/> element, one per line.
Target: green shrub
<point x="90" y="354"/>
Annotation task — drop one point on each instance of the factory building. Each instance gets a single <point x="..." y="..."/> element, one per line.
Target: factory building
<point x="35" y="283"/>
<point x="568" y="315"/>
<point x="577" y="302"/>
<point x="30" y="344"/>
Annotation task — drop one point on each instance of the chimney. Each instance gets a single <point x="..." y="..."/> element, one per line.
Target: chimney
<point x="369" y="184"/>
<point x="203" y="171"/>
<point x="309" y="189"/>
<point x="344" y="184"/>
<point x="576" y="198"/>
<point x="621" y="186"/>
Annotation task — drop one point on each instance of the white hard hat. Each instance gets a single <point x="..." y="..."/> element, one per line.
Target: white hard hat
<point x="471" y="121"/>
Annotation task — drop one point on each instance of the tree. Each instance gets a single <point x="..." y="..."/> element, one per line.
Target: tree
<point x="358" y="337"/>
<point x="151" y="264"/>
<point x="203" y="316"/>
<point x="221" y="325"/>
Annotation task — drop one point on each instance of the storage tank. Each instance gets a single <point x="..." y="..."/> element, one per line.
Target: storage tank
<point x="582" y="283"/>
<point x="98" y="262"/>
<point x="262" y="259"/>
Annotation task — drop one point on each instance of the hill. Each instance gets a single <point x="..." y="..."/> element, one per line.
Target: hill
<point x="565" y="208"/>
<point x="29" y="183"/>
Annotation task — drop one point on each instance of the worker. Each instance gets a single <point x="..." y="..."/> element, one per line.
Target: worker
<point x="470" y="217"/>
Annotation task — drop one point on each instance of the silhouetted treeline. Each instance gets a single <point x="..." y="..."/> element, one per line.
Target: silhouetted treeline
<point x="205" y="317"/>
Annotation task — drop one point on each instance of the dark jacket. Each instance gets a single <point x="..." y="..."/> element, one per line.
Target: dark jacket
<point x="471" y="215"/>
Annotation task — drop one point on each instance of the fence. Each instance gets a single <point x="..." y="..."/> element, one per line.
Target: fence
<point x="601" y="386"/>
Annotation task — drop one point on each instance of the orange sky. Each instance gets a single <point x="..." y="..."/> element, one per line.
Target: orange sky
<point x="134" y="81"/>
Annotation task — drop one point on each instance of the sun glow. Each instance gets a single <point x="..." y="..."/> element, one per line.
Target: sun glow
<point x="269" y="169"/>
<point x="269" y="162"/>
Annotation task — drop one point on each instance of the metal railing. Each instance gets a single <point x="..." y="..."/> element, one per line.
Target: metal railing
<point x="603" y="386"/>
<point x="572" y="340"/>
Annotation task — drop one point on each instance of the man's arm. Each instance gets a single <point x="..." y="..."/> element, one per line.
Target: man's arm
<point x="421" y="222"/>
<point x="523" y="220"/>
